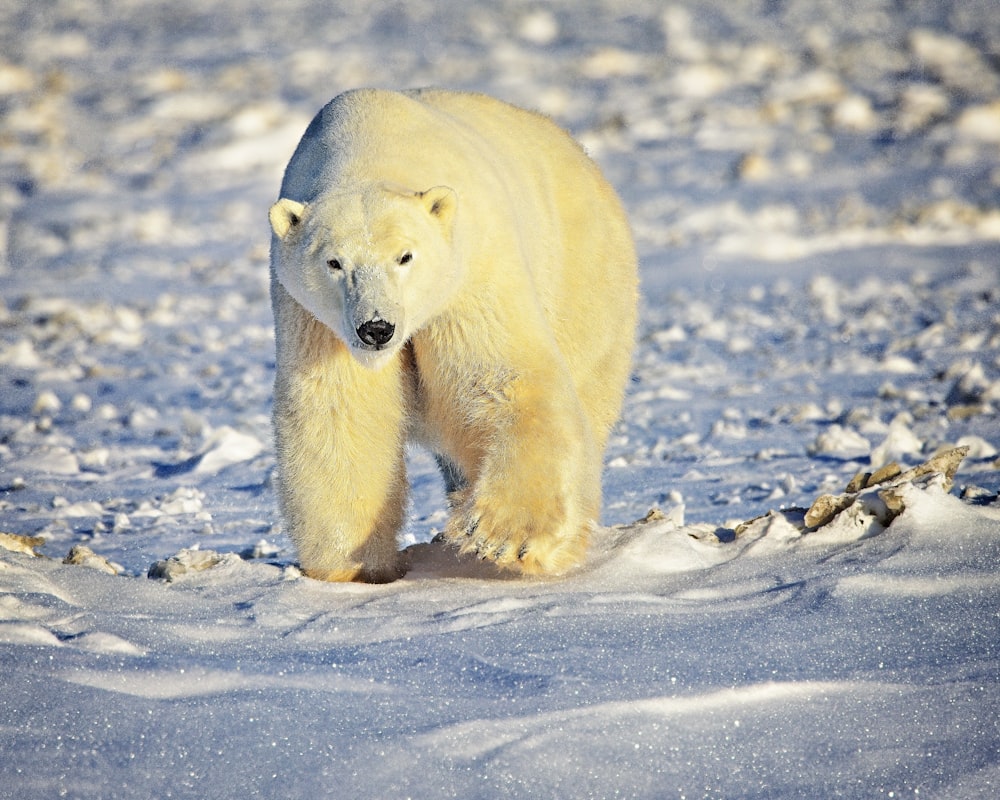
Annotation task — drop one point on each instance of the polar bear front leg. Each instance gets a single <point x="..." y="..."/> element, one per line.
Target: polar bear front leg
<point x="535" y="497"/>
<point x="341" y="472"/>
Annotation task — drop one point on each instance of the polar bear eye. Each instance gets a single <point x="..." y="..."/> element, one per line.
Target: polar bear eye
<point x="335" y="265"/>
<point x="405" y="258"/>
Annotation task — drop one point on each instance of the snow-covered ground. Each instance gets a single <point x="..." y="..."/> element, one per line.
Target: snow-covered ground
<point x="815" y="192"/>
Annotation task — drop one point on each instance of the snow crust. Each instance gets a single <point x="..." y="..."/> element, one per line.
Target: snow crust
<point x="815" y="192"/>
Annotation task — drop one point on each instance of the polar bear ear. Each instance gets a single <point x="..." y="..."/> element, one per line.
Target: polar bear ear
<point x="440" y="202"/>
<point x="285" y="215"/>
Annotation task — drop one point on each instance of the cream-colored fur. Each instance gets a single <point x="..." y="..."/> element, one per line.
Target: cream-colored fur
<point x="453" y="270"/>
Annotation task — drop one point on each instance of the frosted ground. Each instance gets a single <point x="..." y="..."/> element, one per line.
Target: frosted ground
<point x="815" y="193"/>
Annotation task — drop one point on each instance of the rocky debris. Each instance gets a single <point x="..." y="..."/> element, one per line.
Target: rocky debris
<point x="187" y="561"/>
<point x="885" y="483"/>
<point x="17" y="543"/>
<point x="83" y="556"/>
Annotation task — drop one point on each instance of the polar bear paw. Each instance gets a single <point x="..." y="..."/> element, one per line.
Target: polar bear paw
<point x="357" y="573"/>
<point x="543" y="543"/>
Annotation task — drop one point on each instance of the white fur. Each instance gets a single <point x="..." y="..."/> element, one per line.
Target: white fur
<point x="447" y="268"/>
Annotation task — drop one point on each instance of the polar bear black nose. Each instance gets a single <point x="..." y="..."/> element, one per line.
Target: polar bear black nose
<point x="376" y="332"/>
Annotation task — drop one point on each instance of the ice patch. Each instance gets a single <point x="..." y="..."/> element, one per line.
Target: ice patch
<point x="981" y="123"/>
<point x="899" y="443"/>
<point x="21" y="355"/>
<point x="187" y="562"/>
<point x="899" y="586"/>
<point x="26" y="633"/>
<point x="266" y="149"/>
<point x="183" y="500"/>
<point x="85" y="508"/>
<point x="956" y="62"/>
<point x="192" y="682"/>
<point x="840" y="442"/>
<point x="226" y="447"/>
<point x="628" y="733"/>
<point x="223" y="448"/>
<point x="539" y="27"/>
<point x="979" y="448"/>
<point x="107" y="643"/>
<point x="57" y="460"/>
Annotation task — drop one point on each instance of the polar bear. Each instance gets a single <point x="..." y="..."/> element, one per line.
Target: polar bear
<point x="452" y="270"/>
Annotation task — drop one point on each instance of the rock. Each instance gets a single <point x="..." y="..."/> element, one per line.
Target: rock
<point x="865" y="479"/>
<point x="977" y="495"/>
<point x="184" y="562"/>
<point x="826" y="507"/>
<point x="945" y="462"/>
<point x="881" y="491"/>
<point x="754" y="167"/>
<point x="17" y="543"/>
<point x="83" y="556"/>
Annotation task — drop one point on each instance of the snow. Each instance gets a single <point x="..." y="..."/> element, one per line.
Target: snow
<point x="816" y="200"/>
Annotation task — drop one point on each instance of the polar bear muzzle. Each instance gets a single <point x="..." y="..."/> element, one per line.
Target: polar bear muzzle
<point x="376" y="332"/>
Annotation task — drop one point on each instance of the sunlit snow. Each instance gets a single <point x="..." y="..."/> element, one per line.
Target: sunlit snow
<point x="814" y="189"/>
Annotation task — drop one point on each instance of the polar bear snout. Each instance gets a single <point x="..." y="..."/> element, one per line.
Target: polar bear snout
<point x="376" y="332"/>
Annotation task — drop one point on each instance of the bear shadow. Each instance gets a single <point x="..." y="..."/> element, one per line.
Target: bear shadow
<point x="436" y="560"/>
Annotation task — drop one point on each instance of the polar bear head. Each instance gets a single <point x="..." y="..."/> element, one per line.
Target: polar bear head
<point x="373" y="264"/>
